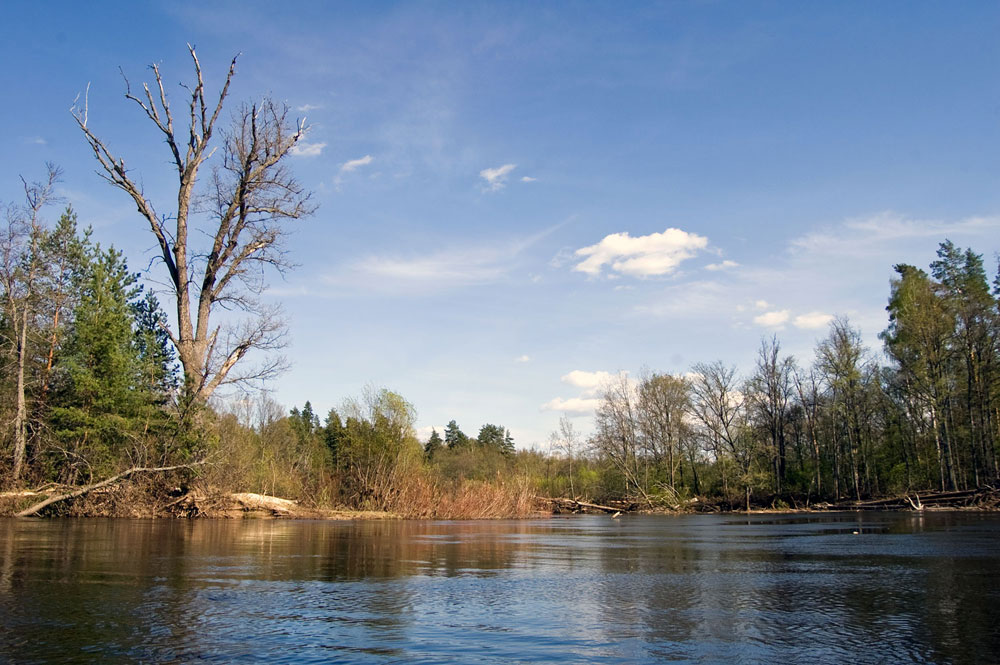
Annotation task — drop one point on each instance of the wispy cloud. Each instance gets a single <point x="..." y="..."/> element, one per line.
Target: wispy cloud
<point x="528" y="178"/>
<point x="306" y="108"/>
<point x="689" y="301"/>
<point x="642" y="256"/>
<point x="865" y="236"/>
<point x="305" y="149"/>
<point x="523" y="359"/>
<point x="496" y="179"/>
<point x="725" y="265"/>
<point x="36" y="140"/>
<point x="355" y="164"/>
<point x="351" y="166"/>
<point x="444" y="268"/>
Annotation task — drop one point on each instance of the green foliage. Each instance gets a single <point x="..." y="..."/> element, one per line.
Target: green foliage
<point x="497" y="438"/>
<point x="376" y="447"/>
<point x="434" y="444"/>
<point x="454" y="437"/>
<point x="471" y="463"/>
<point x="114" y="375"/>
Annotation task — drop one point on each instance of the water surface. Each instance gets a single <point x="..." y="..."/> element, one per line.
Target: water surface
<point x="835" y="588"/>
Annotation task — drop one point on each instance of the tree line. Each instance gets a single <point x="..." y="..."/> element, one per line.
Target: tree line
<point x="851" y="423"/>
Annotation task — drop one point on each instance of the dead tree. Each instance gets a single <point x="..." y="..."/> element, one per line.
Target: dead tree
<point x="241" y="209"/>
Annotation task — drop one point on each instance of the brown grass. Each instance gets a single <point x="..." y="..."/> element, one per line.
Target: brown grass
<point x="424" y="497"/>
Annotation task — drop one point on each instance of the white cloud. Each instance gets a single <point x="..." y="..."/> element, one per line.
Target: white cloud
<point x="523" y="359"/>
<point x="580" y="405"/>
<point x="304" y="149"/>
<point x="36" y="140"/>
<point x="812" y="320"/>
<point x="305" y="108"/>
<point x="590" y="382"/>
<point x="725" y="265"/>
<point x="774" y="319"/>
<point x="528" y="178"/>
<point x="424" y="433"/>
<point x="642" y="256"/>
<point x="761" y="304"/>
<point x="496" y="179"/>
<point x="355" y="164"/>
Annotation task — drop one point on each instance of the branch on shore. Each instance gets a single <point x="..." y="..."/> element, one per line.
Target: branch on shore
<point x="576" y="505"/>
<point x="920" y="500"/>
<point x="80" y="491"/>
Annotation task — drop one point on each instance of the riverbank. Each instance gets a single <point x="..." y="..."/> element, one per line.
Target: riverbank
<point x="980" y="499"/>
<point x="128" y="501"/>
<point x="198" y="504"/>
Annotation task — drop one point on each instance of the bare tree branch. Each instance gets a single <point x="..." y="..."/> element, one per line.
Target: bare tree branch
<point x="250" y="196"/>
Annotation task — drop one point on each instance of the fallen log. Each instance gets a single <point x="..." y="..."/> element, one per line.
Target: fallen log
<point x="80" y="491"/>
<point x="919" y="500"/>
<point x="575" y="504"/>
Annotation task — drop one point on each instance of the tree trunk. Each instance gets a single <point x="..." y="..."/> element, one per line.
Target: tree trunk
<point x="20" y="416"/>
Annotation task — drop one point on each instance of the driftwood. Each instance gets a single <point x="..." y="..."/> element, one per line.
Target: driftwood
<point x="80" y="491"/>
<point x="199" y="503"/>
<point x="920" y="500"/>
<point x="576" y="505"/>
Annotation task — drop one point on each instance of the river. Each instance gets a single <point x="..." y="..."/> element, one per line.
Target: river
<point x="807" y="588"/>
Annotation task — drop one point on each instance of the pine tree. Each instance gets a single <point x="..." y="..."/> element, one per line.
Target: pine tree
<point x="454" y="437"/>
<point x="106" y="406"/>
<point x="433" y="445"/>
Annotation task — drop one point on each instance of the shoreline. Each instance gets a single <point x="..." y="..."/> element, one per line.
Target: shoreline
<point x="247" y="505"/>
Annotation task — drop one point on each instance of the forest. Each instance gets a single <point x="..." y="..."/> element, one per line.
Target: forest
<point x="97" y="379"/>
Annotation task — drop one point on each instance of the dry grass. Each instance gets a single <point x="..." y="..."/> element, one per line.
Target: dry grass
<point x="424" y="497"/>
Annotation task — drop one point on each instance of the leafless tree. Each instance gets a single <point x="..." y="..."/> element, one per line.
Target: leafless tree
<point x="720" y="408"/>
<point x="769" y="397"/>
<point x="807" y="386"/>
<point x="241" y="210"/>
<point x="617" y="427"/>
<point x="567" y="441"/>
<point x="21" y="267"/>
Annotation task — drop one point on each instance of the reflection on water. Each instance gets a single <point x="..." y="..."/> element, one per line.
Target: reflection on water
<point x="868" y="588"/>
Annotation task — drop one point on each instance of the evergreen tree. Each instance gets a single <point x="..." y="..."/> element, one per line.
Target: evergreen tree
<point x="496" y="437"/>
<point x="454" y="437"/>
<point x="433" y="445"/>
<point x="156" y="354"/>
<point x="106" y="407"/>
<point x="333" y="434"/>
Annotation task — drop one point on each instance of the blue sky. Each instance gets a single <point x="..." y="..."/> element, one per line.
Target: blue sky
<point x="516" y="197"/>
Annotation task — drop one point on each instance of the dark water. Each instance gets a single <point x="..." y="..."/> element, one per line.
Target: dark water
<point x="697" y="589"/>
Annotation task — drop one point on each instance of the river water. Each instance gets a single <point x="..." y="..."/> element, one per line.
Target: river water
<point x="832" y="588"/>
